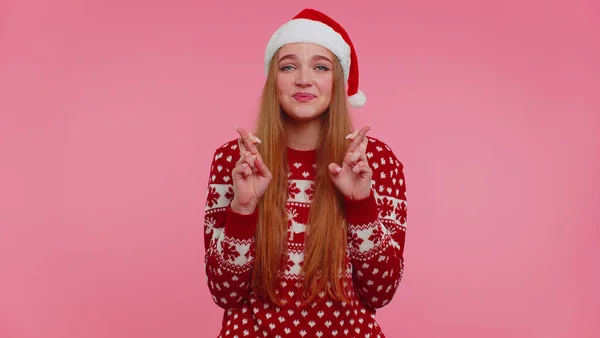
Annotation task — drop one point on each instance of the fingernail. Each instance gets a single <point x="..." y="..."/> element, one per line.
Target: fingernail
<point x="257" y="139"/>
<point x="349" y="135"/>
<point x="337" y="170"/>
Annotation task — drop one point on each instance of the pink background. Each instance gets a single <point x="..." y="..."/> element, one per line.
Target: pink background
<point x="110" y="111"/>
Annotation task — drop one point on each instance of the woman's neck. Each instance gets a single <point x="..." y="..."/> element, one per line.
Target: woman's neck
<point x="302" y="135"/>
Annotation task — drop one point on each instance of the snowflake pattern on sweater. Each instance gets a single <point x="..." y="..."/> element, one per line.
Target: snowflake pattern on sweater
<point x="375" y="263"/>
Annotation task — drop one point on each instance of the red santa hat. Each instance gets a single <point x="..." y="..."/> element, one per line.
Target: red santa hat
<point x="311" y="26"/>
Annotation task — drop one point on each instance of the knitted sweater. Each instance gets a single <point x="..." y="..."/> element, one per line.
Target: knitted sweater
<point x="376" y="233"/>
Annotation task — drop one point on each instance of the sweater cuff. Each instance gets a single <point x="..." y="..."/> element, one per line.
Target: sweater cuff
<point x="240" y="226"/>
<point x="362" y="211"/>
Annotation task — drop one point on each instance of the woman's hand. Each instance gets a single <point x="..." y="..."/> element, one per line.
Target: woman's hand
<point x="353" y="178"/>
<point x="251" y="177"/>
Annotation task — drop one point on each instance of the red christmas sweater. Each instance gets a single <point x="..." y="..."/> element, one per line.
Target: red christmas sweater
<point x="375" y="263"/>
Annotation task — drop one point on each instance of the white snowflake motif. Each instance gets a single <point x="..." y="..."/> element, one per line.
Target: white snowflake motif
<point x="294" y="262"/>
<point x="366" y="243"/>
<point x="242" y="250"/>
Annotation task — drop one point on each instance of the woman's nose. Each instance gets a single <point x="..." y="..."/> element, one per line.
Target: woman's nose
<point x="303" y="77"/>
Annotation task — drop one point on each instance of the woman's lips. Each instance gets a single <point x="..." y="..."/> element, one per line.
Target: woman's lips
<point x="303" y="97"/>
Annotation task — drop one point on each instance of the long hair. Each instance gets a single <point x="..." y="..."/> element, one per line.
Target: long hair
<point x="326" y="231"/>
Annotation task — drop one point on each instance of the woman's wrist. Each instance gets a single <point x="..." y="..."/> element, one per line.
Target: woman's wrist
<point x="247" y="209"/>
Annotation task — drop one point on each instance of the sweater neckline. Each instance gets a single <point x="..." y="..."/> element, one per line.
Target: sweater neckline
<point x="302" y="155"/>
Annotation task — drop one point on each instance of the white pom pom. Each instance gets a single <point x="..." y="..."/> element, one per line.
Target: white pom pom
<point x="358" y="99"/>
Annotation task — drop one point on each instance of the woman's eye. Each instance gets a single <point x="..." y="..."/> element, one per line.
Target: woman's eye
<point x="286" y="68"/>
<point x="323" y="68"/>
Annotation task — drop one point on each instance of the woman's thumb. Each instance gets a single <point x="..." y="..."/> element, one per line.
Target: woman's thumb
<point x="334" y="170"/>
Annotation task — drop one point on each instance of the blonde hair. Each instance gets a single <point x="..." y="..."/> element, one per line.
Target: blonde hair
<point x="325" y="251"/>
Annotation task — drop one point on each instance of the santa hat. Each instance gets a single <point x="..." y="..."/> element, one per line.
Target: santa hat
<point x="311" y="26"/>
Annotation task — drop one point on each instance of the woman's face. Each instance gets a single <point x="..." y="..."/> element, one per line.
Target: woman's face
<point x="304" y="80"/>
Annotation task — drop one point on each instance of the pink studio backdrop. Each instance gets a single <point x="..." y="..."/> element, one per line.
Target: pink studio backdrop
<point x="110" y="112"/>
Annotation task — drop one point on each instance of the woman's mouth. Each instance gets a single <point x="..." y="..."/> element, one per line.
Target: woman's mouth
<point x="304" y="97"/>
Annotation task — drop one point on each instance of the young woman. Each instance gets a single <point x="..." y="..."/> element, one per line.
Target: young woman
<point x="305" y="219"/>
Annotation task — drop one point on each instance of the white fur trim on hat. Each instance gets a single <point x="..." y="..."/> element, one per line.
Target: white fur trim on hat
<point x="309" y="31"/>
<point x="357" y="100"/>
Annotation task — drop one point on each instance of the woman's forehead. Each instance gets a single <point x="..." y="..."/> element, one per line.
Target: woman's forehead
<point x="304" y="50"/>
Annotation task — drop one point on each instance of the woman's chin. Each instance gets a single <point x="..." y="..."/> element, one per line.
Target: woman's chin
<point x="304" y="113"/>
